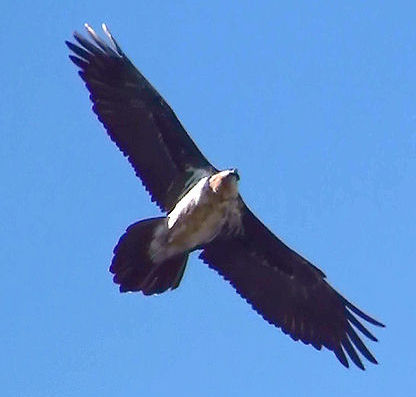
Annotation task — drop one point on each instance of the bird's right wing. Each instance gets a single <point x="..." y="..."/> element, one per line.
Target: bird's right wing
<point x="288" y="291"/>
<point x="138" y="120"/>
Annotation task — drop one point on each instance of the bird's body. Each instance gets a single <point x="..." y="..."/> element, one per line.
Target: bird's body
<point x="209" y="208"/>
<point x="204" y="211"/>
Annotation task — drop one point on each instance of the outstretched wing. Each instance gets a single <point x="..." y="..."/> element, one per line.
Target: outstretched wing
<point x="138" y="120"/>
<point x="288" y="291"/>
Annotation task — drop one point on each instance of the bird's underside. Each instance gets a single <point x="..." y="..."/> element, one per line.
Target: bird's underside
<point x="204" y="211"/>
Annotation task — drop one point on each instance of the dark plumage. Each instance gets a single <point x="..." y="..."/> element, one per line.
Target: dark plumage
<point x="287" y="290"/>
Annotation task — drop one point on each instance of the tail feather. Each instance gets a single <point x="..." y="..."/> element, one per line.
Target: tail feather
<point x="133" y="268"/>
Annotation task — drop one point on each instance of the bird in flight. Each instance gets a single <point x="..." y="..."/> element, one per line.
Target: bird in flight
<point x="204" y="211"/>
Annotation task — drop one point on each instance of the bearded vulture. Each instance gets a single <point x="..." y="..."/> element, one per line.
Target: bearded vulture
<point x="204" y="211"/>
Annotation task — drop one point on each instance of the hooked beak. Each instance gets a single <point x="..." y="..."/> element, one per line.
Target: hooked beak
<point x="234" y="172"/>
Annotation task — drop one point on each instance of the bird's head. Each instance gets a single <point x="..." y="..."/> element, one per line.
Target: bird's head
<point x="225" y="183"/>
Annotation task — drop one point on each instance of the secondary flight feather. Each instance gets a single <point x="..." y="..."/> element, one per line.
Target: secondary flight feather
<point x="204" y="211"/>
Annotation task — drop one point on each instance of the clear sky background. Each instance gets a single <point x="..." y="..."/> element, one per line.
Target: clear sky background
<point x="316" y="106"/>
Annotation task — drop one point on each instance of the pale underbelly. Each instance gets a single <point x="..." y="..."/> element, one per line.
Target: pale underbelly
<point x="199" y="226"/>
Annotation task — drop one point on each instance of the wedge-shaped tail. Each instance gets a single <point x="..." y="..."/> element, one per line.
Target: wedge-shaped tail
<point x="133" y="267"/>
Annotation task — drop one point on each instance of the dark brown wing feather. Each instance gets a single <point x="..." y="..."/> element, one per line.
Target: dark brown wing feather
<point x="138" y="120"/>
<point x="288" y="291"/>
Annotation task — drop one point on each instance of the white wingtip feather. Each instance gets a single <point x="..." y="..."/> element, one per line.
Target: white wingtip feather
<point x="88" y="27"/>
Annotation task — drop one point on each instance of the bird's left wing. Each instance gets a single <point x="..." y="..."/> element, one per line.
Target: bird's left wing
<point x="138" y="120"/>
<point x="288" y="291"/>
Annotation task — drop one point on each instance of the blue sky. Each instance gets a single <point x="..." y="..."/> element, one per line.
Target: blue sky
<point x="315" y="105"/>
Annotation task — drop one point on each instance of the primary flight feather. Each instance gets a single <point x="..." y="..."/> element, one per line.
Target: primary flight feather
<point x="204" y="211"/>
